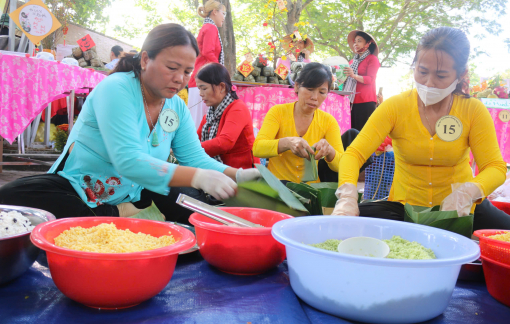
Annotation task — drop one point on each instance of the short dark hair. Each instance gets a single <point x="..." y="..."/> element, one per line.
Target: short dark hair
<point x="367" y="38"/>
<point x="453" y="42"/>
<point x="117" y="50"/>
<point x="215" y="74"/>
<point x="314" y="75"/>
<point x="159" y="38"/>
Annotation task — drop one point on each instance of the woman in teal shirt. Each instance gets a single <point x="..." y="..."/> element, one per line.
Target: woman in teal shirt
<point x="115" y="160"/>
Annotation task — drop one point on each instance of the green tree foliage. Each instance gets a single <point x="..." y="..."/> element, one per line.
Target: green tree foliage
<point x="397" y="25"/>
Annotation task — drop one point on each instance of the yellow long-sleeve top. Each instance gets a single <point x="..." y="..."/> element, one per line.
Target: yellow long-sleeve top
<point x="279" y="123"/>
<point x="426" y="166"/>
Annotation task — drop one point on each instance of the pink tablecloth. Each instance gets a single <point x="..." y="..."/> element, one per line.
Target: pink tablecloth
<point x="28" y="85"/>
<point x="260" y="99"/>
<point x="503" y="133"/>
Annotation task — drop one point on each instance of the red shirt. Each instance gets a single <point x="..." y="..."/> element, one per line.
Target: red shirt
<point x="210" y="49"/>
<point x="234" y="139"/>
<point x="365" y="92"/>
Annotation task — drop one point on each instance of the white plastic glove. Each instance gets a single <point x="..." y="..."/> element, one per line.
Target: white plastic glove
<point x="247" y="175"/>
<point x="347" y="203"/>
<point x="462" y="198"/>
<point x="214" y="183"/>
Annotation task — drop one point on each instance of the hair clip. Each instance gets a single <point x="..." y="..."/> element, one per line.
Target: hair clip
<point x="234" y="87"/>
<point x="137" y="56"/>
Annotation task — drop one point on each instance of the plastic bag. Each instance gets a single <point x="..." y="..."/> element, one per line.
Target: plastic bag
<point x="39" y="135"/>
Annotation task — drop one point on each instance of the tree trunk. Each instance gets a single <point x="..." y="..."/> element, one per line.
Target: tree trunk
<point x="227" y="38"/>
<point x="229" y="41"/>
<point x="294" y="12"/>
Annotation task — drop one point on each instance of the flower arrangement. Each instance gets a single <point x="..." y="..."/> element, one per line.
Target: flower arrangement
<point x="492" y="88"/>
<point x="61" y="137"/>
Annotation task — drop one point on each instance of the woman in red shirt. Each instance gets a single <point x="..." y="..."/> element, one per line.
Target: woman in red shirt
<point x="226" y="131"/>
<point x="361" y="77"/>
<point x="211" y="51"/>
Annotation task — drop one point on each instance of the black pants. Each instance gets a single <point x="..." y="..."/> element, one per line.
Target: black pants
<point x="55" y="194"/>
<point x="360" y="113"/>
<point x="486" y="216"/>
<point x="328" y="175"/>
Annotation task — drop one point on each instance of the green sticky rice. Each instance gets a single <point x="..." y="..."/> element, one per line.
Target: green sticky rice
<point x="330" y="245"/>
<point x="403" y="249"/>
<point x="399" y="249"/>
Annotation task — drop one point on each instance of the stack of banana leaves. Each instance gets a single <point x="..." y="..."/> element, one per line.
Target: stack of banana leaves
<point x="296" y="199"/>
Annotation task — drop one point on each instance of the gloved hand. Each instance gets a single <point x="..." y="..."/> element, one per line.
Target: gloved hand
<point x="462" y="198"/>
<point x="347" y="203"/>
<point x="214" y="183"/>
<point x="247" y="175"/>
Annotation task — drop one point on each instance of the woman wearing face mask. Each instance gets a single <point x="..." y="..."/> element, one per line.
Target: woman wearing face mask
<point x="433" y="127"/>
<point x="226" y="132"/>
<point x="211" y="51"/>
<point x="290" y="131"/>
<point x="361" y="77"/>
<point x="115" y="160"/>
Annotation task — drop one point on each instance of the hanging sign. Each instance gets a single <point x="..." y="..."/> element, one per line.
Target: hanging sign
<point x="35" y="20"/>
<point x="281" y="4"/>
<point x="245" y="68"/>
<point x="248" y="57"/>
<point x="86" y="43"/>
<point x="496" y="103"/>
<point x="282" y="71"/>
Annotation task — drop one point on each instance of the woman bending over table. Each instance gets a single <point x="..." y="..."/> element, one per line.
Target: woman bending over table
<point x="291" y="131"/>
<point x="115" y="160"/>
<point x="226" y="131"/>
<point x="434" y="127"/>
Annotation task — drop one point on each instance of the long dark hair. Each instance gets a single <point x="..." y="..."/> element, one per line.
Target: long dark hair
<point x="367" y="38"/>
<point x="215" y="74"/>
<point x="452" y="41"/>
<point x="314" y="75"/>
<point x="159" y="38"/>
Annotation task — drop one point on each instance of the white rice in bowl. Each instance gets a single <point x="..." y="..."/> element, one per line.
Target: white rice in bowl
<point x="13" y="222"/>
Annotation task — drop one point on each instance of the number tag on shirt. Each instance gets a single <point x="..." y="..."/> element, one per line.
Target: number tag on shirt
<point x="449" y="128"/>
<point x="504" y="115"/>
<point x="169" y="120"/>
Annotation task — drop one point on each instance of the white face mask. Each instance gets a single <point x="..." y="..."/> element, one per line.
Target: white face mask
<point x="431" y="96"/>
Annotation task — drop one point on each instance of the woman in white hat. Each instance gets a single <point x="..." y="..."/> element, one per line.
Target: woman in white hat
<point x="361" y="77"/>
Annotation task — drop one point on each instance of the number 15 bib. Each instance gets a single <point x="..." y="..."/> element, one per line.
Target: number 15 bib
<point x="448" y="128"/>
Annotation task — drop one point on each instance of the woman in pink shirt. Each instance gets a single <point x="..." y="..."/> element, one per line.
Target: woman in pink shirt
<point x="361" y="77"/>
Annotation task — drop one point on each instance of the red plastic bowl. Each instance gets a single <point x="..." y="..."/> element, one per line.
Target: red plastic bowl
<point x="497" y="277"/>
<point x="111" y="280"/>
<point x="493" y="249"/>
<point x="504" y="206"/>
<point x="240" y="250"/>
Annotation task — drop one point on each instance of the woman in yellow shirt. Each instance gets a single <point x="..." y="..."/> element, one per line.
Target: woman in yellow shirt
<point x="291" y="131"/>
<point x="433" y="127"/>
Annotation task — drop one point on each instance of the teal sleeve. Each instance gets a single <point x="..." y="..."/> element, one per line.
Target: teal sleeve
<point x="186" y="145"/>
<point x="117" y="118"/>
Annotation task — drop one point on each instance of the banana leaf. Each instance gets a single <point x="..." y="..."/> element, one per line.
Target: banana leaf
<point x="447" y="220"/>
<point x="314" y="195"/>
<point x="152" y="213"/>
<point x="311" y="173"/>
<point x="248" y="198"/>
<point x="283" y="192"/>
<point x="327" y="190"/>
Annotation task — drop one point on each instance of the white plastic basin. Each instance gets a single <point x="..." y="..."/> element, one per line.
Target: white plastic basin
<point x="372" y="289"/>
